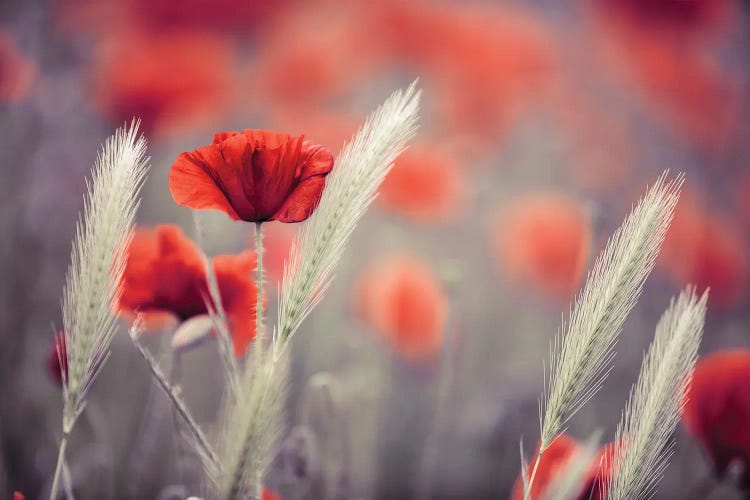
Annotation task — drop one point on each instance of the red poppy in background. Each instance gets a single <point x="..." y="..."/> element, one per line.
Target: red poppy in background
<point x="543" y="240"/>
<point x="57" y="360"/>
<point x="16" y="72"/>
<point x="706" y="249"/>
<point x="403" y="301"/>
<point x="553" y="462"/>
<point x="238" y="17"/>
<point x="424" y="185"/>
<point x="662" y="45"/>
<point x="165" y="275"/>
<point x="169" y="82"/>
<point x="269" y="494"/>
<point x="255" y="176"/>
<point x="17" y="495"/>
<point x="717" y="409"/>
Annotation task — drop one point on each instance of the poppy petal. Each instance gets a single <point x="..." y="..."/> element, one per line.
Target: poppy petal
<point x="193" y="186"/>
<point x="302" y="201"/>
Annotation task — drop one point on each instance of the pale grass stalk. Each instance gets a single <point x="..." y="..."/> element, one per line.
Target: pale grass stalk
<point x="582" y="352"/>
<point x="198" y="440"/>
<point x="643" y="443"/>
<point x="350" y="189"/>
<point x="93" y="282"/>
<point x="252" y="424"/>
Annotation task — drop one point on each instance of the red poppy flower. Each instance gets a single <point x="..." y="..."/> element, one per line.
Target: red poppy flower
<point x="255" y="176"/>
<point x="717" y="410"/>
<point x="543" y="240"/>
<point x="17" y="495"/>
<point x="403" y="301"/>
<point x="165" y="274"/>
<point x="424" y="185"/>
<point x="269" y="494"/>
<point x="706" y="249"/>
<point x="169" y="82"/>
<point x="16" y="72"/>
<point x="553" y="461"/>
<point x="58" y="353"/>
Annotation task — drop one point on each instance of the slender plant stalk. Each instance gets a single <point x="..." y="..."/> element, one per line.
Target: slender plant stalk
<point x="60" y="464"/>
<point x="219" y="319"/>
<point x="259" y="284"/>
<point x="204" y="447"/>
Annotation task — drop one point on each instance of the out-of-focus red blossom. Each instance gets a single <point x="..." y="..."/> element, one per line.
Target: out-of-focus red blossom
<point x="686" y="16"/>
<point x="486" y="63"/>
<point x="553" y="462"/>
<point x="55" y="368"/>
<point x="543" y="239"/>
<point x="277" y="243"/>
<point x="171" y="82"/>
<point x="301" y="66"/>
<point x="239" y="17"/>
<point x="17" y="495"/>
<point x="403" y="301"/>
<point x="717" y="410"/>
<point x="424" y="185"/>
<point x="16" y="72"/>
<point x="706" y="249"/>
<point x="255" y="176"/>
<point x="165" y="274"/>
<point x="661" y="44"/>
<point x="744" y="200"/>
<point x="269" y="494"/>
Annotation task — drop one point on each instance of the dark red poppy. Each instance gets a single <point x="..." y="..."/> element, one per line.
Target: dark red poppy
<point x="17" y="495"/>
<point x="717" y="410"/>
<point x="165" y="275"/>
<point x="57" y="360"/>
<point x="553" y="461"/>
<point x="255" y="176"/>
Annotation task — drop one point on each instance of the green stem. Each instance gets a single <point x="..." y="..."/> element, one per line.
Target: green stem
<point x="259" y="283"/>
<point x="59" y="467"/>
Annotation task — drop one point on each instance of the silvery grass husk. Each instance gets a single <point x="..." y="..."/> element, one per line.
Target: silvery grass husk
<point x="582" y="352"/>
<point x="253" y="421"/>
<point x="93" y="282"/>
<point x="643" y="442"/>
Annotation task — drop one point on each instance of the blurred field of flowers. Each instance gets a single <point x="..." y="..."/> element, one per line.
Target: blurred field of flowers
<point x="542" y="123"/>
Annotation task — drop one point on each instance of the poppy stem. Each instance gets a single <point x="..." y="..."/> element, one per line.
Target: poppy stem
<point x="259" y="283"/>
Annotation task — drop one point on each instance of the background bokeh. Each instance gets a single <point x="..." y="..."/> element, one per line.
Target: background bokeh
<point x="543" y="122"/>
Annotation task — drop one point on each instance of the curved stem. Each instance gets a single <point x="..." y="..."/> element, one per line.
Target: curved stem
<point x="259" y="283"/>
<point x="59" y="467"/>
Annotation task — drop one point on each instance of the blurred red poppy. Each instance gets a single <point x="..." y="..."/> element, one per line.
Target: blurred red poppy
<point x="16" y="72"/>
<point x="424" y="185"/>
<point x="706" y="249"/>
<point x="57" y="359"/>
<point x="238" y="17"/>
<point x="165" y="275"/>
<point x="717" y="409"/>
<point x="255" y="176"/>
<point x="676" y="15"/>
<point x="17" y="495"/>
<point x="553" y="462"/>
<point x="543" y="240"/>
<point x="403" y="301"/>
<point x="169" y="82"/>
<point x="269" y="494"/>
